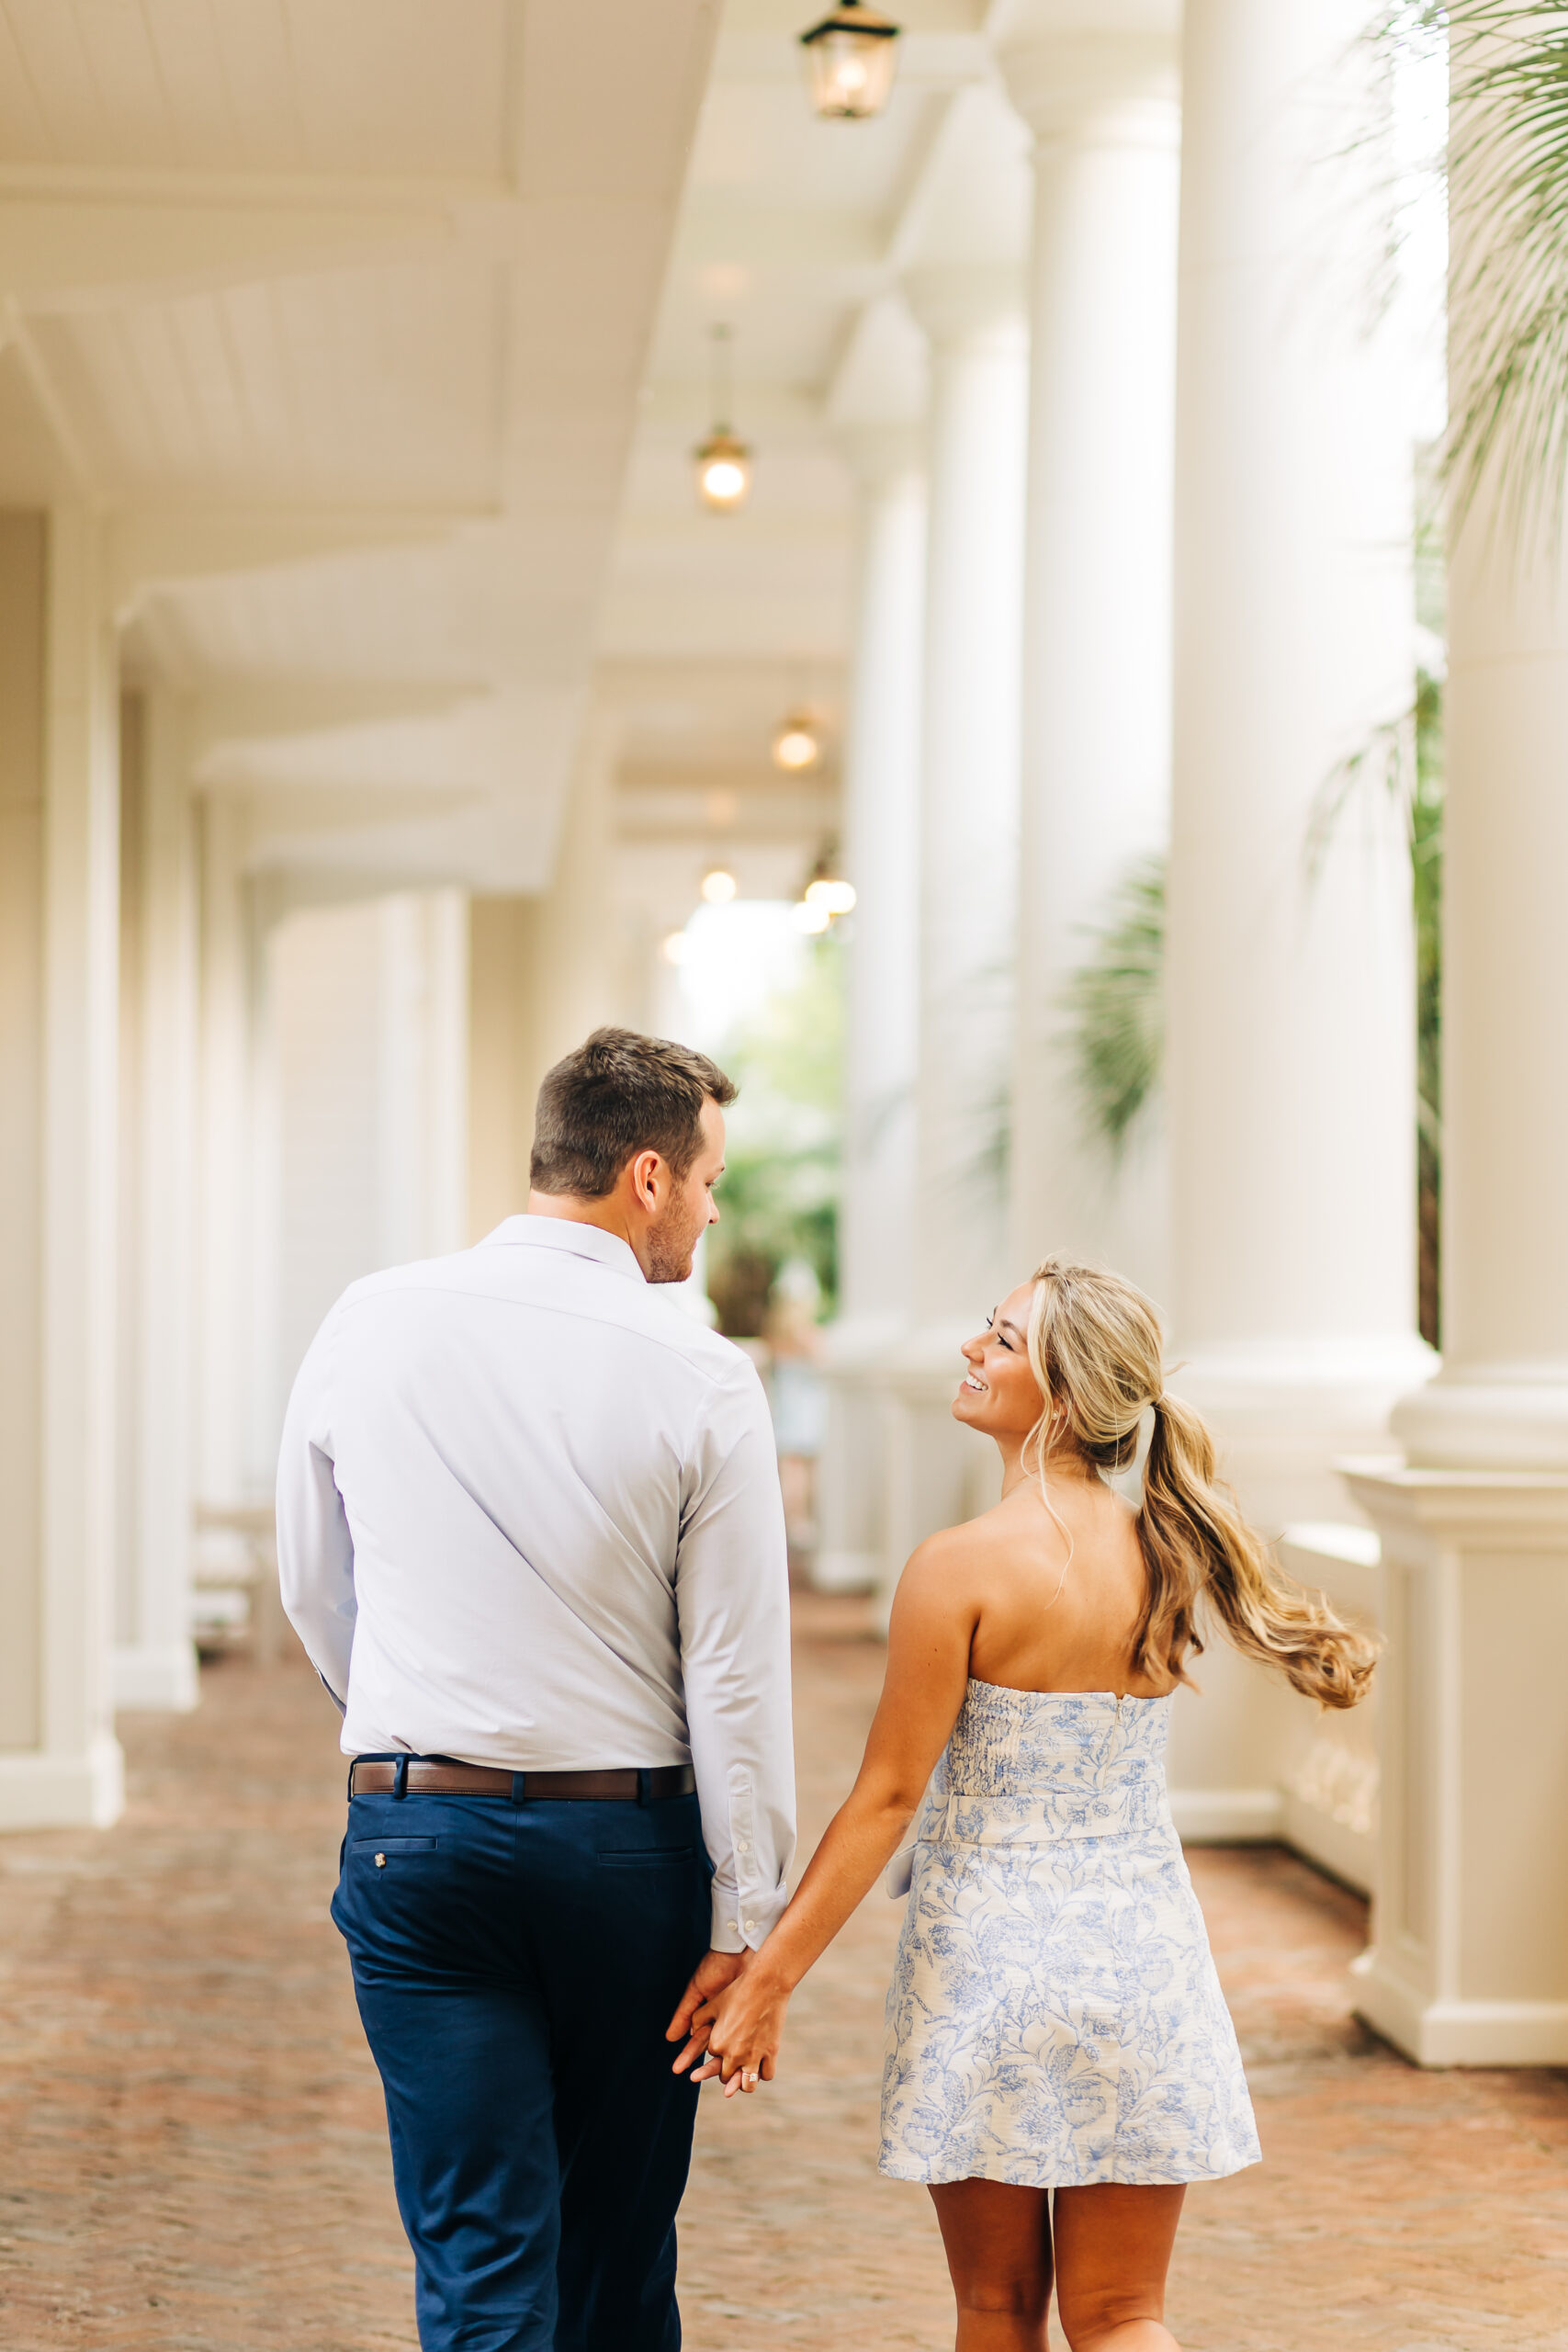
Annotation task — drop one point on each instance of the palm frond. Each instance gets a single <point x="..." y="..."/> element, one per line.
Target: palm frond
<point x="1507" y="170"/>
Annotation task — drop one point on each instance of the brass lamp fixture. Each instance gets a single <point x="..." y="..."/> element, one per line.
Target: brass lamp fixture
<point x="796" y="743"/>
<point x="851" y="56"/>
<point x="723" y="462"/>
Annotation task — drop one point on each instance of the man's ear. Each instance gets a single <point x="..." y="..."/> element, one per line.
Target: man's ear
<point x="645" y="1179"/>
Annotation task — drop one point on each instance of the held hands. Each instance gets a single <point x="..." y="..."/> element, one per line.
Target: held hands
<point x="732" y="2013"/>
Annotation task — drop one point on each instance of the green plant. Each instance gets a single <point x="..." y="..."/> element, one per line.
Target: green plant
<point x="1507" y="170"/>
<point x="1115" y="1006"/>
<point x="1114" y="999"/>
<point x="779" y="1195"/>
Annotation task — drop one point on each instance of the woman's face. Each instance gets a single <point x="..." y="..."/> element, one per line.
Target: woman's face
<point x="1000" y="1396"/>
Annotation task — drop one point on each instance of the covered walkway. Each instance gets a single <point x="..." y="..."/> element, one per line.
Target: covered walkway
<point x="192" y="2154"/>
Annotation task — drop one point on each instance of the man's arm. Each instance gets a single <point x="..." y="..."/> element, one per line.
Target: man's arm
<point x="315" y="1552"/>
<point x="732" y="1600"/>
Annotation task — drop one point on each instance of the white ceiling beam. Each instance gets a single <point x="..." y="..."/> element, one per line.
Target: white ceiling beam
<point x="243" y="713"/>
<point x="152" y="547"/>
<point x="61" y="254"/>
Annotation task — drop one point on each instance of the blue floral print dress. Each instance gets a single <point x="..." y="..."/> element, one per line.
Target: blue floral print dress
<point x="1054" y="2020"/>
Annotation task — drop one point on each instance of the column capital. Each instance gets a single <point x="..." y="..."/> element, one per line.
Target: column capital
<point x="1114" y="85"/>
<point x="959" y="302"/>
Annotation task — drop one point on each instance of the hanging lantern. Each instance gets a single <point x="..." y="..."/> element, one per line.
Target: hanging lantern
<point x="851" y="55"/>
<point x="723" y="462"/>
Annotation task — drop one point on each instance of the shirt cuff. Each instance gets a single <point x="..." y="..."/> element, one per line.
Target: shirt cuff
<point x="740" y="1926"/>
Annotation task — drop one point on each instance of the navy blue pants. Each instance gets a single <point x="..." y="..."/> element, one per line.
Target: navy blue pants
<point x="515" y="1966"/>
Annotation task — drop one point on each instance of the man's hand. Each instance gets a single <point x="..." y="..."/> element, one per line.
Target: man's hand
<point x="713" y="1973"/>
<point x="745" y="2027"/>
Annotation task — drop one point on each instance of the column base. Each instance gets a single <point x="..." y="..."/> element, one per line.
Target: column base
<point x="848" y="1572"/>
<point x="1469" y="1964"/>
<point x="44" y="1792"/>
<point x="1507" y="1422"/>
<point x="1228" y="1817"/>
<point x="1455" y="2032"/>
<point x="165" y="1679"/>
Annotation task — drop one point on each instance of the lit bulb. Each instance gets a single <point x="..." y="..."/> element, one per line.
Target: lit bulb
<point x="810" y="915"/>
<point x="719" y="887"/>
<point x="724" y="472"/>
<point x="677" y="948"/>
<point x="838" y="898"/>
<point x="795" y="745"/>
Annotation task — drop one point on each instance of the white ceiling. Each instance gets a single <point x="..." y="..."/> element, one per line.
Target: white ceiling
<point x="337" y="309"/>
<point x="795" y="233"/>
<point x="378" y="331"/>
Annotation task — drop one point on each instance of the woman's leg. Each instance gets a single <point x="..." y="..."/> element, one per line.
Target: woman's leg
<point x="1112" y="2251"/>
<point x="999" y="2253"/>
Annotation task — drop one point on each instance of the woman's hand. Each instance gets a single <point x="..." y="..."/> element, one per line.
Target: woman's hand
<point x="745" y="2028"/>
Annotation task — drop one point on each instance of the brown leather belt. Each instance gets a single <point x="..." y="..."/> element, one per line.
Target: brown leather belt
<point x="427" y="1777"/>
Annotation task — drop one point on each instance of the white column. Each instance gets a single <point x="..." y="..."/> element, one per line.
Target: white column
<point x="154" y="1663"/>
<point x="1469" y="1964"/>
<point x="935" y="1471"/>
<point x="969" y="790"/>
<point x="228" y="1232"/>
<point x="882" y="811"/>
<point x="423" y="1097"/>
<point x="1289" y="963"/>
<point x="1290" y="1045"/>
<point x="59" y="797"/>
<point x="1096" y="750"/>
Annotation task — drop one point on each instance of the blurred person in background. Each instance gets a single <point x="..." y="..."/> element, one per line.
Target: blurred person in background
<point x="798" y="1398"/>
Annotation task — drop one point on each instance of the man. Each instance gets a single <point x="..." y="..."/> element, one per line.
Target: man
<point x="530" y="1534"/>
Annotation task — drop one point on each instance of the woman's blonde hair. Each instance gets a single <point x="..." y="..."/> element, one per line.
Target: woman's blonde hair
<point x="1098" y="1353"/>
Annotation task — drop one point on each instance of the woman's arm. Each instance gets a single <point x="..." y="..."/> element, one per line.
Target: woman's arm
<point x="933" y="1620"/>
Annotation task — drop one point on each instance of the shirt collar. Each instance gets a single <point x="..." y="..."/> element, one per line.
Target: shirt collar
<point x="564" y="1233"/>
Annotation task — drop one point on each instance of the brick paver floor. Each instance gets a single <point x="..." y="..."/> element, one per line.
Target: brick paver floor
<point x="192" y="2154"/>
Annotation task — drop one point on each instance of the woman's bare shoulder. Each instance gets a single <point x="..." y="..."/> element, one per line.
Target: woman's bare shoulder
<point x="973" y="1547"/>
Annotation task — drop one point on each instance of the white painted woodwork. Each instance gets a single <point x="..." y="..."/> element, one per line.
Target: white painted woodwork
<point x="362" y="1109"/>
<point x="969" y="783"/>
<point x="60" y="1761"/>
<point x="1291" y="1039"/>
<point x="1469" y="1964"/>
<point x="1469" y="1959"/>
<point x="1101" y="102"/>
<point x="155" y="1662"/>
<point x="882" y="795"/>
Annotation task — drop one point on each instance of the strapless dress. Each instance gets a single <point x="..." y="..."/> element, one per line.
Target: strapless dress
<point x="1054" y="2018"/>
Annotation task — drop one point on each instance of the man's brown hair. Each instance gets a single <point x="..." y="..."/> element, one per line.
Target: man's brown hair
<point x="619" y="1093"/>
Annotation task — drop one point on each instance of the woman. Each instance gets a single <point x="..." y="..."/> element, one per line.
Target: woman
<point x="1054" y="2026"/>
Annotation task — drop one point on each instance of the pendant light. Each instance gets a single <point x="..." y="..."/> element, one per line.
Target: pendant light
<point x="723" y="462"/>
<point x="797" y="743"/>
<point x="851" y="55"/>
<point x="826" y="896"/>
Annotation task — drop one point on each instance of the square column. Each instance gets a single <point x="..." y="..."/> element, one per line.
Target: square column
<point x="1469" y="1959"/>
<point x="154" y="1658"/>
<point x="59" y="949"/>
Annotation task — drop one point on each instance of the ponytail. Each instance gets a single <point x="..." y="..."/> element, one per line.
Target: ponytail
<point x="1095" y="1349"/>
<point x="1197" y="1547"/>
